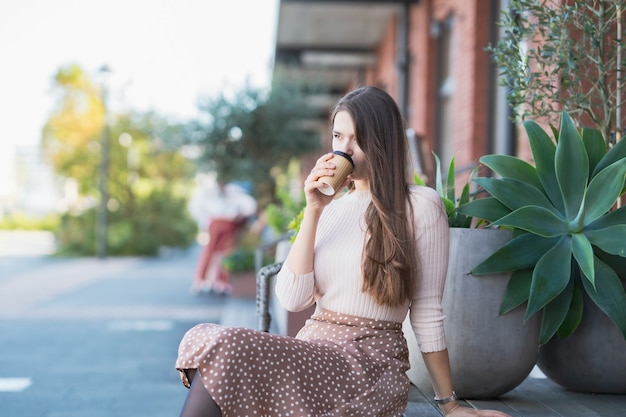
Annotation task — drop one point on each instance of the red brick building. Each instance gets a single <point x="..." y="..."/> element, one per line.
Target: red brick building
<point x="428" y="54"/>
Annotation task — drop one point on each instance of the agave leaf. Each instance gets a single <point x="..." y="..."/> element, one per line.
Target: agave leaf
<point x="521" y="252"/>
<point x="514" y="193"/>
<point x="465" y="195"/>
<point x="595" y="147"/>
<point x="554" y="313"/>
<point x="612" y="218"/>
<point x="611" y="240"/>
<point x="450" y="186"/>
<point x="614" y="154"/>
<point x="603" y="191"/>
<point x="460" y="219"/>
<point x="447" y="194"/>
<point x="537" y="220"/>
<point x="487" y="208"/>
<point x="550" y="276"/>
<point x="555" y="132"/>
<point x="572" y="167"/>
<point x="615" y="262"/>
<point x="608" y="294"/>
<point x="574" y="314"/>
<point x="543" y="150"/>
<point x="449" y="205"/>
<point x="517" y="290"/>
<point x="512" y="167"/>
<point x="438" y="178"/>
<point x="583" y="253"/>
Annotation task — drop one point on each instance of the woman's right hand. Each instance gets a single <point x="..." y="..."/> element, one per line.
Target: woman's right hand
<point x="300" y="258"/>
<point x="314" y="198"/>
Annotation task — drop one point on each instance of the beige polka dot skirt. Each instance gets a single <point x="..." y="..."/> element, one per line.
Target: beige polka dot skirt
<point x="337" y="365"/>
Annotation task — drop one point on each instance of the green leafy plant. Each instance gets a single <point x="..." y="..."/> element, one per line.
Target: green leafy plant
<point x="240" y="260"/>
<point x="242" y="257"/>
<point x="285" y="213"/>
<point x="22" y="221"/>
<point x="447" y="192"/>
<point x="140" y="231"/>
<point x="567" y="238"/>
<point x="245" y="135"/>
<point x="558" y="54"/>
<point x="294" y="225"/>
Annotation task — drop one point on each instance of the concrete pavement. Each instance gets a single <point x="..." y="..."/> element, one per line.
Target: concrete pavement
<point x="91" y="338"/>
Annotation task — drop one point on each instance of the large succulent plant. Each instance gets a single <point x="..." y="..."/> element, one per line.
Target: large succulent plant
<point x="568" y="235"/>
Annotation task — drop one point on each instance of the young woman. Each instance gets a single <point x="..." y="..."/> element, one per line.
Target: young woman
<point x="366" y="259"/>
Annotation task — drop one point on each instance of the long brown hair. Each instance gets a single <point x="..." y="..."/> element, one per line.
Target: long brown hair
<point x="390" y="259"/>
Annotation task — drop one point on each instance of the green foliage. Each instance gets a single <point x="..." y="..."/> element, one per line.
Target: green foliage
<point x="156" y="220"/>
<point x="240" y="260"/>
<point x="558" y="55"/>
<point x="567" y="239"/>
<point x="77" y="234"/>
<point x="244" y="137"/>
<point x="447" y="192"/>
<point x="147" y="177"/>
<point x="294" y="225"/>
<point x="281" y="213"/>
<point x="20" y="221"/>
<point x="144" y="156"/>
<point x="72" y="133"/>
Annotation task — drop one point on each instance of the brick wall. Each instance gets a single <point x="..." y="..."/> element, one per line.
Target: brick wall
<point x="472" y="21"/>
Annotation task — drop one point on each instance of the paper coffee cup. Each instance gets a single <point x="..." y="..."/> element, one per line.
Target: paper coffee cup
<point x="344" y="166"/>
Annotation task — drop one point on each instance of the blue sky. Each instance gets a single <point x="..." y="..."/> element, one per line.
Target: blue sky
<point x="163" y="55"/>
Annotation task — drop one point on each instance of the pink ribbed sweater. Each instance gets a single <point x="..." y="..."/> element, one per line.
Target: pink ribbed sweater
<point x="336" y="283"/>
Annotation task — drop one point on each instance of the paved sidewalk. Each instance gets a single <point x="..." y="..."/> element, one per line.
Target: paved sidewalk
<point x="92" y="338"/>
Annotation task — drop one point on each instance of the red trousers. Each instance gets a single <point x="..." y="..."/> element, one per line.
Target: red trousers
<point x="221" y="240"/>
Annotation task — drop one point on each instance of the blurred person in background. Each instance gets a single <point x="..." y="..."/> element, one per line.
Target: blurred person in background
<point x="224" y="209"/>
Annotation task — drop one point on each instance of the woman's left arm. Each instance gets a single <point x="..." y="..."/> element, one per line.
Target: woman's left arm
<point x="438" y="365"/>
<point x="426" y="310"/>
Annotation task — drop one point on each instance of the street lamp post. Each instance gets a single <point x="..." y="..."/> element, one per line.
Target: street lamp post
<point x="102" y="219"/>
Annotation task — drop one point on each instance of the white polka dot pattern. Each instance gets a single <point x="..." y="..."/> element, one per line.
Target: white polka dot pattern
<point x="337" y="365"/>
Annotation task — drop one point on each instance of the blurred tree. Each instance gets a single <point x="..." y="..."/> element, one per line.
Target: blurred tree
<point x="148" y="178"/>
<point x="72" y="133"/>
<point x="248" y="135"/>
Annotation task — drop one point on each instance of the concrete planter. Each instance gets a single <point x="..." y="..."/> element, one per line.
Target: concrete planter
<point x="592" y="359"/>
<point x="490" y="354"/>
